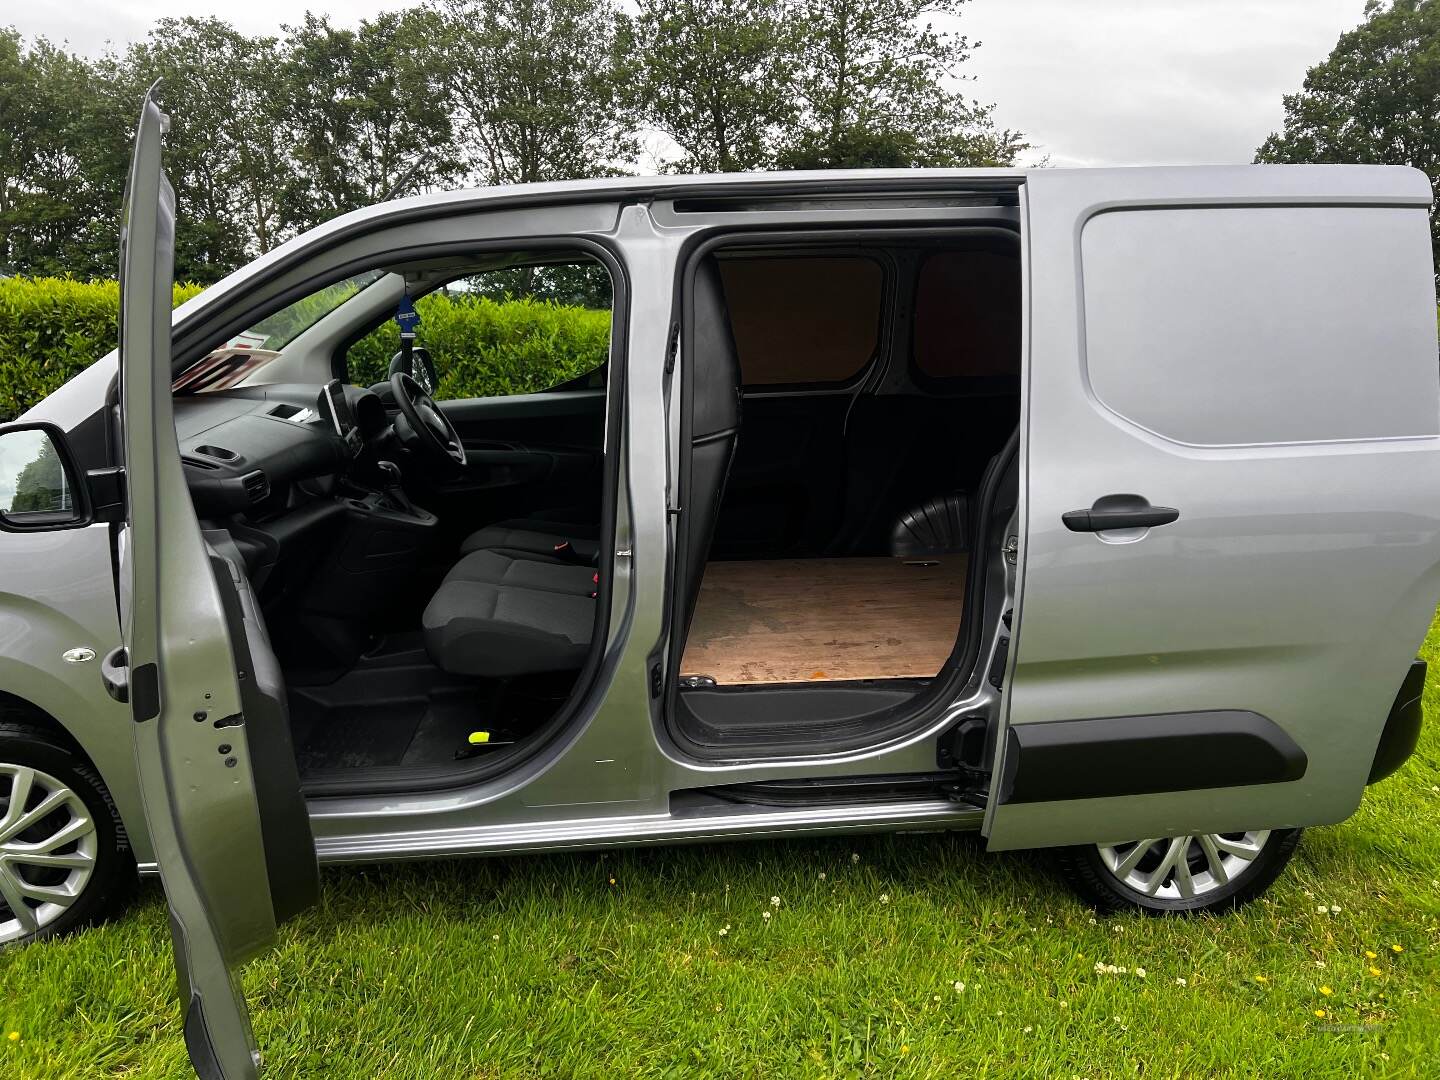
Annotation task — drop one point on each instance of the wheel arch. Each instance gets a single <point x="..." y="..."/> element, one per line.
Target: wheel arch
<point x="104" y="743"/>
<point x="16" y="710"/>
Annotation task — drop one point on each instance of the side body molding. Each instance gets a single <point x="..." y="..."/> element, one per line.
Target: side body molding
<point x="1142" y="755"/>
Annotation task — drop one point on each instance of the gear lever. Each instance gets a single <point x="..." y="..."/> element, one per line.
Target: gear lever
<point x="393" y="489"/>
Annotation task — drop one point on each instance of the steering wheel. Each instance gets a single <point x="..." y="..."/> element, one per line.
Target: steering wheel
<point x="430" y="429"/>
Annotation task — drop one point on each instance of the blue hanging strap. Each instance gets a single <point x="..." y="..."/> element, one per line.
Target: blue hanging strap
<point x="408" y="320"/>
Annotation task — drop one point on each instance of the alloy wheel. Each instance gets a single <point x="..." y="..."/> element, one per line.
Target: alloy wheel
<point x="1182" y="867"/>
<point x="48" y="848"/>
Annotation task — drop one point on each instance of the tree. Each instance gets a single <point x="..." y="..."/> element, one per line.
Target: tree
<point x="227" y="150"/>
<point x="1374" y="99"/>
<point x="40" y="485"/>
<point x="716" y="76"/>
<point x="64" y="151"/>
<point x="369" y="111"/>
<point x="573" y="284"/>
<point x="871" y="78"/>
<point x="537" y="88"/>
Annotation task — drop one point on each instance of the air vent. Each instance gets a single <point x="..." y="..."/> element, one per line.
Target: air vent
<point x="257" y="485"/>
<point x="196" y="463"/>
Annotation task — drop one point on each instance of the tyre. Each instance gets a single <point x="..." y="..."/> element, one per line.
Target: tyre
<point x="1179" y="874"/>
<point x="65" y="861"/>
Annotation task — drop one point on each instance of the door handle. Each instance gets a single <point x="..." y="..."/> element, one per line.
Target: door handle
<point x="115" y="673"/>
<point x="1119" y="512"/>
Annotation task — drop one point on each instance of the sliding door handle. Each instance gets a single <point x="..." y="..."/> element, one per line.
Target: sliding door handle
<point x="1119" y="512"/>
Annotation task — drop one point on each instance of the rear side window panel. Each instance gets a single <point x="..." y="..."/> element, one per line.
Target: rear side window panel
<point x="804" y="321"/>
<point x="1262" y="325"/>
<point x="967" y="321"/>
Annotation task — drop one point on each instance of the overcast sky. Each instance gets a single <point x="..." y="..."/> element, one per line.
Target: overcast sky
<point x="1089" y="81"/>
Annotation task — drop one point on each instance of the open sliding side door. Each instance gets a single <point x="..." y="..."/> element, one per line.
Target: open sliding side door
<point x="1231" y="492"/>
<point x="212" y="744"/>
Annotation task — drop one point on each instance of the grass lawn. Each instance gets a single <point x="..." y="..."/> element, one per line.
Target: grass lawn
<point x="907" y="956"/>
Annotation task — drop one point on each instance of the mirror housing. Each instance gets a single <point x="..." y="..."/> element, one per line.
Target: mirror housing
<point x="41" y="489"/>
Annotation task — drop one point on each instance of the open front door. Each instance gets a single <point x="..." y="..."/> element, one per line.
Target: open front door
<point x="1231" y="490"/>
<point x="212" y="745"/>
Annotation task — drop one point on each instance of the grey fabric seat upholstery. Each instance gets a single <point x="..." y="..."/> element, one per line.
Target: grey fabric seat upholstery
<point x="536" y="536"/>
<point x="473" y="628"/>
<point x="524" y="571"/>
<point x="501" y="614"/>
<point x="514" y="606"/>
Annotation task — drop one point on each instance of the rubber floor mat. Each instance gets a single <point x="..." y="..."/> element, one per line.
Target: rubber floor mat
<point x="360" y="737"/>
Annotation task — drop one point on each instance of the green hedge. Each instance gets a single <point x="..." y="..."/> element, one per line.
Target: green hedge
<point x="51" y="328"/>
<point x="484" y="348"/>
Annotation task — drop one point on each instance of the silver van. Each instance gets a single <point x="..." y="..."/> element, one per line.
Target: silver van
<point x="1096" y="510"/>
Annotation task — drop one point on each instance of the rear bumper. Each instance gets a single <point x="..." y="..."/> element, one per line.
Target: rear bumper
<point x="1402" y="726"/>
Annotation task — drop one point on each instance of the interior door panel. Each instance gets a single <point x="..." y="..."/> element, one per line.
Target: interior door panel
<point x="526" y="453"/>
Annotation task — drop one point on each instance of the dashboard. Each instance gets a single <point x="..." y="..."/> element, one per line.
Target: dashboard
<point x="245" y="449"/>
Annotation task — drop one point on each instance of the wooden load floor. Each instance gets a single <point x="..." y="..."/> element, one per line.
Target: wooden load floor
<point x="807" y="620"/>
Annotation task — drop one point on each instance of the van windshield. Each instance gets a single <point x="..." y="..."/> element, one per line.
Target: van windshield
<point x="250" y="350"/>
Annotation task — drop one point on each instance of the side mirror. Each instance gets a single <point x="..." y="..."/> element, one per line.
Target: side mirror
<point x="40" y="487"/>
